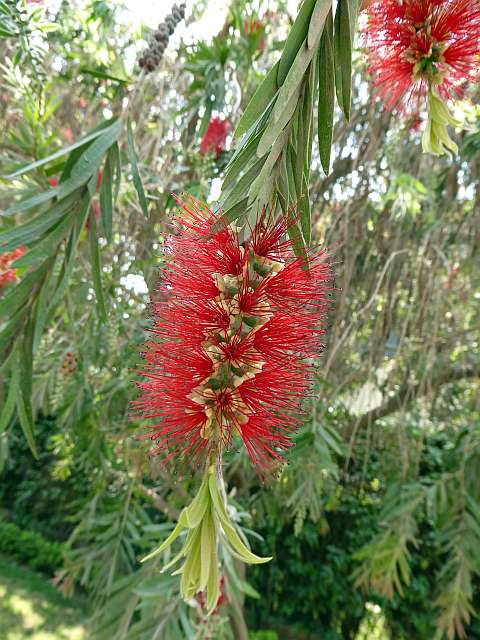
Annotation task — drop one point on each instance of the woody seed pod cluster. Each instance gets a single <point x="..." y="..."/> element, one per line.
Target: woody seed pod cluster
<point x="152" y="56"/>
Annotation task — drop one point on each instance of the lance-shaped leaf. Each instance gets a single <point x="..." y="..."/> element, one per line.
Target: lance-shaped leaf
<point x="25" y="233"/>
<point x="345" y="23"/>
<point x="237" y="546"/>
<point x="85" y="167"/>
<point x="58" y="154"/>
<point x="106" y="196"/>
<point x="296" y="37"/>
<point x="259" y="101"/>
<point x="137" y="181"/>
<point x="326" y="94"/>
<point x="96" y="267"/>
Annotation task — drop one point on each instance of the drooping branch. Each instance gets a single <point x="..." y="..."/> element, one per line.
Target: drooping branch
<point x="410" y="392"/>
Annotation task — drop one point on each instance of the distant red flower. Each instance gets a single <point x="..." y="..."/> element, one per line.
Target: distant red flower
<point x="215" y="136"/>
<point x="7" y="274"/>
<point x="253" y="27"/>
<point x="67" y="134"/>
<point x="53" y="182"/>
<point x="237" y="325"/>
<point x="421" y="45"/>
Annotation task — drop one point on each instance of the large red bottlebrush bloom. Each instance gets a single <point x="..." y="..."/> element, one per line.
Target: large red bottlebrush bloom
<point x="237" y="326"/>
<point x="416" y="46"/>
<point x="8" y="274"/>
<point x="215" y="136"/>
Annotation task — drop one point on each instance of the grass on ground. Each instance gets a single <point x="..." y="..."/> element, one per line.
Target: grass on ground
<point x="31" y="609"/>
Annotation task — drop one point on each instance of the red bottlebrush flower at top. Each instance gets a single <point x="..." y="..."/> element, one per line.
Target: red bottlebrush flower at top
<point x="236" y="328"/>
<point x="215" y="136"/>
<point x="8" y="274"/>
<point x="417" y="44"/>
<point x="424" y="50"/>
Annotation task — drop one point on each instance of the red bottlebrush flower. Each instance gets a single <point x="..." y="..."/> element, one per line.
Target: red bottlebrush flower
<point x="236" y="328"/>
<point x="421" y="45"/>
<point x="215" y="136"/>
<point x="253" y="27"/>
<point x="7" y="274"/>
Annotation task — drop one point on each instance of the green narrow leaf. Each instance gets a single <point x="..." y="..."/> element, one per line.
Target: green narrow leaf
<point x="84" y="168"/>
<point x="296" y="37"/>
<point x="275" y="128"/>
<point x="26" y="421"/>
<point x="305" y="211"/>
<point x="232" y="536"/>
<point x="41" y="310"/>
<point x="95" y="73"/>
<point x="19" y="295"/>
<point x="179" y="527"/>
<point x="267" y="168"/>
<point x="106" y="196"/>
<point x="47" y="245"/>
<point x="213" y="584"/>
<point x="207" y="114"/>
<point x="240" y="189"/>
<point x="89" y="161"/>
<point x="70" y="252"/>
<point x="116" y="162"/>
<point x="317" y="21"/>
<point x="96" y="267"/>
<point x="207" y="547"/>
<point x="259" y="101"/>
<point x="25" y="233"/>
<point x="11" y="330"/>
<point x="29" y="203"/>
<point x="240" y="162"/>
<point x="137" y="181"/>
<point x="292" y="84"/>
<point x="326" y="94"/>
<point x="9" y="406"/>
<point x="193" y="514"/>
<point x="24" y="395"/>
<point x="285" y="190"/>
<point x="79" y="143"/>
<point x="345" y="22"/>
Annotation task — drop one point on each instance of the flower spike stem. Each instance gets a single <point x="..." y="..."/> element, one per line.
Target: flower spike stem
<point x="435" y="138"/>
<point x="207" y="523"/>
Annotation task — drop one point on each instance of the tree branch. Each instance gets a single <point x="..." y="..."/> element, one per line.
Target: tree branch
<point x="410" y="392"/>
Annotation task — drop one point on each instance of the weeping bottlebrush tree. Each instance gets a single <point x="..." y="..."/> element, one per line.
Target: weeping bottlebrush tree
<point x="304" y="336"/>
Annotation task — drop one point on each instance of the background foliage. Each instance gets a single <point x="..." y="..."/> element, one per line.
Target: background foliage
<point x="379" y="505"/>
